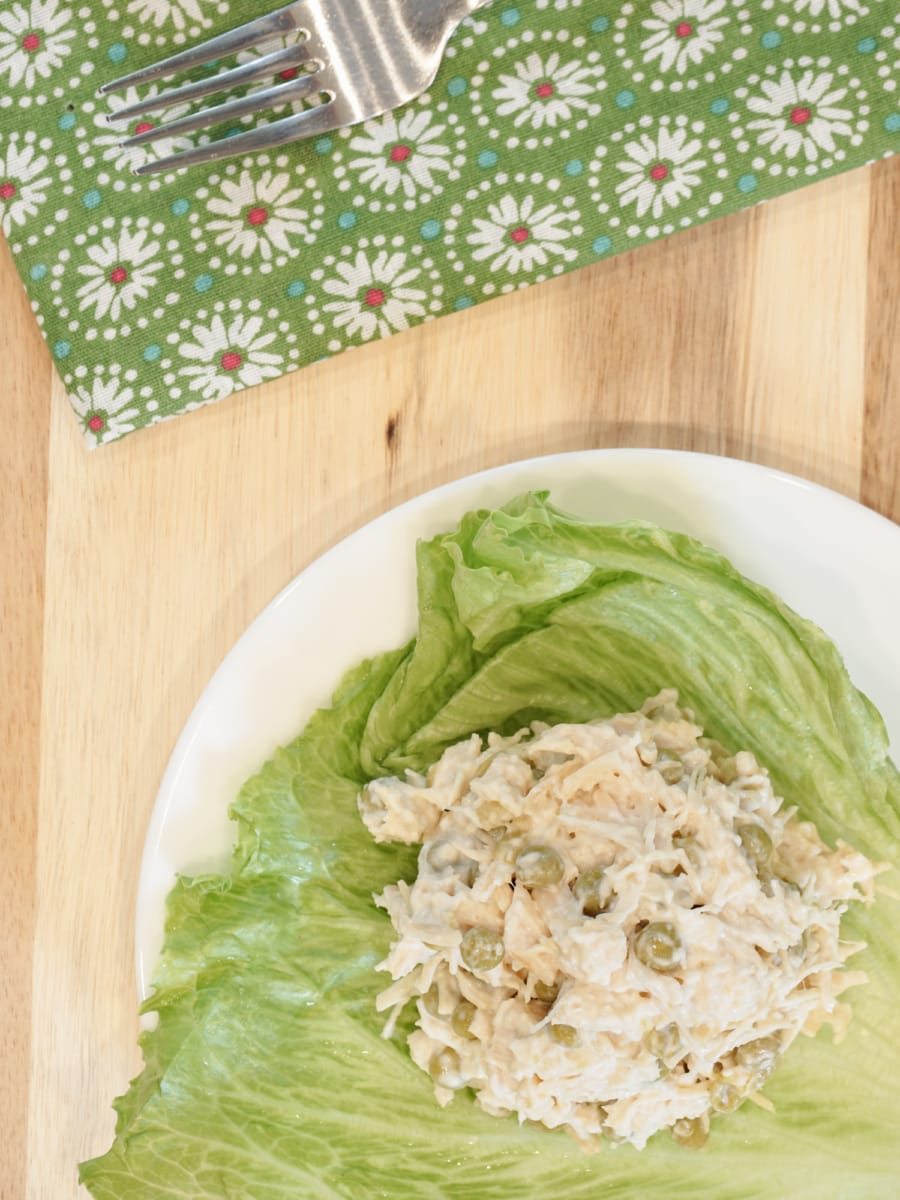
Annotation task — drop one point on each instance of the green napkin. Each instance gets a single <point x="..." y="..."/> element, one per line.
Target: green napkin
<point x="555" y="134"/>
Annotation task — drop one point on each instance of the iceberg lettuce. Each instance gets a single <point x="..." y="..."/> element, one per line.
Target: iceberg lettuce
<point x="267" y="1077"/>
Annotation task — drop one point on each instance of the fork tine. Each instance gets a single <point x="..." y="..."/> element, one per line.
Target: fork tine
<point x="292" y="56"/>
<point x="283" y="20"/>
<point x="295" y="89"/>
<point x="307" y="124"/>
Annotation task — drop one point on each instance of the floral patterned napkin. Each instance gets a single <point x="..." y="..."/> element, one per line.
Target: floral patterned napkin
<point x="555" y="134"/>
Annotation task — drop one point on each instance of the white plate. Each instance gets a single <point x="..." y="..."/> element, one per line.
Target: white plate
<point x="831" y="559"/>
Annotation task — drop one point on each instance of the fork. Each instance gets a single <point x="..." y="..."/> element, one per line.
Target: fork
<point x="361" y="57"/>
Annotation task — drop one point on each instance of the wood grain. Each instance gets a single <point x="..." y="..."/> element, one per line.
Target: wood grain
<point x="23" y="503"/>
<point x="881" y="433"/>
<point x="767" y="335"/>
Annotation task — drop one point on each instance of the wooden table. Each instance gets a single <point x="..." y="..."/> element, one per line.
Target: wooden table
<point x="130" y="571"/>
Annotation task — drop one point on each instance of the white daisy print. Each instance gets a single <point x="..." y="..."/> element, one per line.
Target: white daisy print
<point x="404" y="154"/>
<point x="521" y="236"/>
<point x="119" y="273"/>
<point x="834" y="8"/>
<point x="374" y="296"/>
<point x="24" y="184"/>
<point x="103" y="410"/>
<point x="683" y="32"/>
<point x="660" y="171"/>
<point x="800" y="115"/>
<point x="34" y="40"/>
<point x="227" y="356"/>
<point x="108" y="137"/>
<point x="180" y="13"/>
<point x="546" y="91"/>
<point x="258" y="214"/>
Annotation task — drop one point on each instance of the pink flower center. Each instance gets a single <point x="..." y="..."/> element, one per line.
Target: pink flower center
<point x="374" y="297"/>
<point x="257" y="216"/>
<point x="231" y="360"/>
<point x="143" y="127"/>
<point x="520" y="234"/>
<point x="400" y="153"/>
<point x="118" y="275"/>
<point x="684" y="29"/>
<point x="799" y="116"/>
<point x="543" y="90"/>
<point x="288" y="73"/>
<point x="96" y="423"/>
<point x="658" y="172"/>
<point x="30" y="42"/>
<point x="7" y="191"/>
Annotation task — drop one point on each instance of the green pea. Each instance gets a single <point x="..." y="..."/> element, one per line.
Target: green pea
<point x="691" y="1132"/>
<point x="564" y="1035"/>
<point x="724" y="1097"/>
<point x="756" y="844"/>
<point x="664" y="1043"/>
<point x="444" y="1068"/>
<point x="539" y="866"/>
<point x="431" y="1000"/>
<point x="659" y="946"/>
<point x="492" y="815"/>
<point x="586" y="889"/>
<point x="547" y="992"/>
<point x="481" y="949"/>
<point x="461" y="1019"/>
<point x="759" y="1057"/>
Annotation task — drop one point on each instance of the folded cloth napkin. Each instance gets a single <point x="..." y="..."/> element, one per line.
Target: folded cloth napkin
<point x="555" y="134"/>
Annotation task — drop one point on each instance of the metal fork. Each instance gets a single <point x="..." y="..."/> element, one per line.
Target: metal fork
<point x="360" y="57"/>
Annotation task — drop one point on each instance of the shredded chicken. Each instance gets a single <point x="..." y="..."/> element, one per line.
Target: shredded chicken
<point x="616" y="927"/>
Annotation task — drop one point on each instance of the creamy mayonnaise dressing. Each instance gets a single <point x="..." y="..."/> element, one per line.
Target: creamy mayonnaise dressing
<point x="615" y="928"/>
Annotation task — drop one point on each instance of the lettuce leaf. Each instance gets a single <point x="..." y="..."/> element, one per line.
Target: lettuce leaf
<point x="267" y="1076"/>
